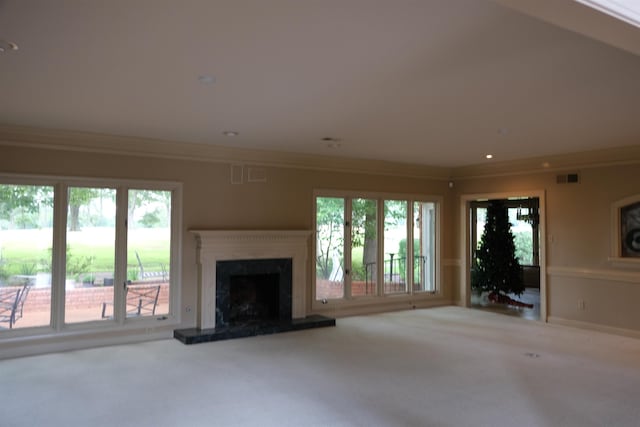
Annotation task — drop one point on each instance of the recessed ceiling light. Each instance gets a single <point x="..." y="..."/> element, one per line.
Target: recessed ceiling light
<point x="206" y="79"/>
<point x="7" y="45"/>
<point x="332" y="142"/>
<point x="489" y="156"/>
<point x="230" y="133"/>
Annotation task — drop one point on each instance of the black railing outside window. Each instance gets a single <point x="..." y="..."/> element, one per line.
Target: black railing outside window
<point x="395" y="274"/>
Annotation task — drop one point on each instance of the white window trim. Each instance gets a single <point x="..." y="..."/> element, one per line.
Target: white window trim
<point x="122" y="329"/>
<point x="379" y="302"/>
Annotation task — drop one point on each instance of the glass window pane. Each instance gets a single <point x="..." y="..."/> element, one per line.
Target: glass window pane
<point x="329" y="244"/>
<point x="395" y="246"/>
<point x="148" y="253"/>
<point x="26" y="241"/>
<point x="424" y="217"/>
<point x="522" y="234"/>
<point x="90" y="254"/>
<point x="364" y="247"/>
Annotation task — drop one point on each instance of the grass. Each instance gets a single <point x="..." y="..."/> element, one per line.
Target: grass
<point x="29" y="251"/>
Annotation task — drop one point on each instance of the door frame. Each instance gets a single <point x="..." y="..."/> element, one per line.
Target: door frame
<point x="465" y="242"/>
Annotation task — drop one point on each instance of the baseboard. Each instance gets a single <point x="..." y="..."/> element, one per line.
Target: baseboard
<point x="365" y="309"/>
<point x="594" y="327"/>
<point x="28" y="346"/>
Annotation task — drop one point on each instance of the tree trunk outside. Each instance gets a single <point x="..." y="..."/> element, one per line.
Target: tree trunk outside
<point x="74" y="214"/>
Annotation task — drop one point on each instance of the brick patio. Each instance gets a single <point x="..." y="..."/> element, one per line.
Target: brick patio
<point x="82" y="305"/>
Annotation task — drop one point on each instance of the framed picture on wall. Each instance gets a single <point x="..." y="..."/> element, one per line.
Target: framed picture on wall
<point x="630" y="230"/>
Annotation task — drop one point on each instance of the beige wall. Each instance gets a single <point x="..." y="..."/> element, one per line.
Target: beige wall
<point x="578" y="244"/>
<point x="210" y="201"/>
<point x="578" y="219"/>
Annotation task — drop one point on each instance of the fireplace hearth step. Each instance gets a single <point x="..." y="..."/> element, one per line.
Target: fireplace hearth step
<point x="196" y="336"/>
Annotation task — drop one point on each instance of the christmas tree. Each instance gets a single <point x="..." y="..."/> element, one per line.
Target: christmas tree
<point x="496" y="268"/>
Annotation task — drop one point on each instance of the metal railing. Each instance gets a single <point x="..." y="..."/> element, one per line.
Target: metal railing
<point x="395" y="274"/>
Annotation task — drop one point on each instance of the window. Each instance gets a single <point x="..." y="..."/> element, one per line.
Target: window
<point x="354" y="231"/>
<point x="364" y="247"/>
<point x="424" y="238"/>
<point x="90" y="252"/>
<point x="395" y="246"/>
<point x="330" y="248"/>
<point x="86" y="254"/>
<point x="26" y="239"/>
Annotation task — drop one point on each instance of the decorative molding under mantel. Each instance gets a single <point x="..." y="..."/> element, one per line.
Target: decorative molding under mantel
<point x="207" y="237"/>
<point x="225" y="245"/>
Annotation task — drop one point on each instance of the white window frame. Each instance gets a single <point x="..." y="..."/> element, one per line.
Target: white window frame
<point x="57" y="327"/>
<point x="411" y="297"/>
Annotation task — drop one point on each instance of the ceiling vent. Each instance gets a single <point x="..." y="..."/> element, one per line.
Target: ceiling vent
<point x="568" y="178"/>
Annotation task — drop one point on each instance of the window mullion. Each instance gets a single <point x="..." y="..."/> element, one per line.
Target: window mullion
<point x="409" y="262"/>
<point x="380" y="248"/>
<point x="120" y="272"/>
<point x="176" y="254"/>
<point x="348" y="216"/>
<point x="59" y="254"/>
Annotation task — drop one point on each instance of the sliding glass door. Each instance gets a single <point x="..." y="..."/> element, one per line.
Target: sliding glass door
<point x="75" y="254"/>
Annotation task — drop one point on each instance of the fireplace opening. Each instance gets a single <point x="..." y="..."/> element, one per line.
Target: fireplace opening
<point x="253" y="297"/>
<point x="253" y="292"/>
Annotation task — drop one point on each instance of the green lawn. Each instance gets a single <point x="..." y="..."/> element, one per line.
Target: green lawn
<point x="29" y="251"/>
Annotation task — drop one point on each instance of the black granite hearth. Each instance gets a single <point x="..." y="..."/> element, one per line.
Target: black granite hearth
<point x="196" y="336"/>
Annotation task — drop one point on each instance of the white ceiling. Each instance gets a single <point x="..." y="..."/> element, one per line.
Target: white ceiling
<point x="433" y="82"/>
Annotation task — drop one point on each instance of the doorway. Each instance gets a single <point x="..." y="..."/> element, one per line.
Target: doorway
<point x="526" y="217"/>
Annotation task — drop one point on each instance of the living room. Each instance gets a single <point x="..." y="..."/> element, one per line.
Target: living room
<point x="238" y="150"/>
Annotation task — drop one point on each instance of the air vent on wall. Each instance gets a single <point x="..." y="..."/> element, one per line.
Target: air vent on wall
<point x="568" y="178"/>
<point x="237" y="174"/>
<point x="257" y="175"/>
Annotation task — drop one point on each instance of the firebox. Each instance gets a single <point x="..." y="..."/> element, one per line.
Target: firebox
<point x="253" y="291"/>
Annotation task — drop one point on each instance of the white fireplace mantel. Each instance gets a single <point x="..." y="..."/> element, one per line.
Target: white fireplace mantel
<point x="225" y="245"/>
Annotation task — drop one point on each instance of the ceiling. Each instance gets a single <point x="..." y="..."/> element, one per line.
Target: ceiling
<point x="429" y="82"/>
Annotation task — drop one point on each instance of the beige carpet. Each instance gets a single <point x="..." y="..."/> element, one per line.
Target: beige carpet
<point x="437" y="367"/>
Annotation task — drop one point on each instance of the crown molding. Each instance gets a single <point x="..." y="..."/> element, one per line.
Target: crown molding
<point x="120" y="145"/>
<point x="51" y="139"/>
<point x="618" y="156"/>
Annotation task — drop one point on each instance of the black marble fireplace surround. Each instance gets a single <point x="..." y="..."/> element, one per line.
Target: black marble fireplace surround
<point x="254" y="291"/>
<point x="253" y="297"/>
